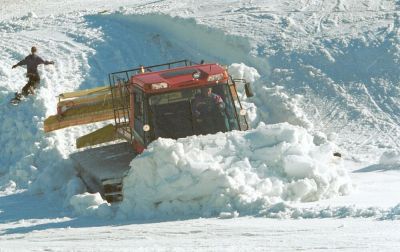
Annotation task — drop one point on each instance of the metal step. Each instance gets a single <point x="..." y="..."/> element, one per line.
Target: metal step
<point x="112" y="189"/>
<point x="113" y="198"/>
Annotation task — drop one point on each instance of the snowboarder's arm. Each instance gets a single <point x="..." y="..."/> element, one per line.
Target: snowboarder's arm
<point x="21" y="63"/>
<point x="46" y="62"/>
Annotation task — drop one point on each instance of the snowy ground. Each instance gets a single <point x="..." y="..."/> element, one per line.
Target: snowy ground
<point x="328" y="68"/>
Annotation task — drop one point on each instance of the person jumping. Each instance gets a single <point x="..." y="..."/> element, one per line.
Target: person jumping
<point x="31" y="61"/>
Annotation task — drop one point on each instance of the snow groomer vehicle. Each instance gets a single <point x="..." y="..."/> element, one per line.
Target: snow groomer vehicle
<point x="170" y="100"/>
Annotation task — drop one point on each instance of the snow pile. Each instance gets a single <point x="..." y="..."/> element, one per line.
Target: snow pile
<point x="241" y="71"/>
<point x="283" y="210"/>
<point x="8" y="188"/>
<point x="242" y="172"/>
<point x="275" y="106"/>
<point x="271" y="104"/>
<point x="393" y="214"/>
<point x="250" y="74"/>
<point x="32" y="160"/>
<point x="29" y="159"/>
<point x="90" y="204"/>
<point x="390" y="157"/>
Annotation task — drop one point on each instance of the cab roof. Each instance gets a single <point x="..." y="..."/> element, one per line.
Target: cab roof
<point x="180" y="77"/>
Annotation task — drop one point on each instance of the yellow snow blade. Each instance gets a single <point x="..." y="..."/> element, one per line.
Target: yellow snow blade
<point x="78" y="118"/>
<point x="103" y="135"/>
<point x="83" y="107"/>
<point x="86" y="92"/>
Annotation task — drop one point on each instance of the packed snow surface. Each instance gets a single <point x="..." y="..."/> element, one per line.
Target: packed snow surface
<point x="325" y="78"/>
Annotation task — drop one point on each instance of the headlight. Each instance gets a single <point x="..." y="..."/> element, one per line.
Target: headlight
<point x="215" y="77"/>
<point x="159" y="85"/>
<point x="146" y="127"/>
<point x="196" y="75"/>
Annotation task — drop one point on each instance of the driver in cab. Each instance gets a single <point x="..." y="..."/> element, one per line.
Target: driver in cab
<point x="209" y="112"/>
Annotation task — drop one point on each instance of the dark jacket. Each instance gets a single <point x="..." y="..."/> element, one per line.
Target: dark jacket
<point x="206" y="106"/>
<point x="31" y="62"/>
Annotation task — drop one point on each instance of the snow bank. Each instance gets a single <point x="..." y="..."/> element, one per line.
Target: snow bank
<point x="243" y="172"/>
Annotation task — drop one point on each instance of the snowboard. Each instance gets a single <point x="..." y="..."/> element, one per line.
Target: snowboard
<point x="17" y="99"/>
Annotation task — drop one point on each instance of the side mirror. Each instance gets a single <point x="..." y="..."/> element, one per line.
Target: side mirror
<point x="248" y="90"/>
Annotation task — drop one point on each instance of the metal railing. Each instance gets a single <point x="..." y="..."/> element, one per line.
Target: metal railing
<point x="121" y="107"/>
<point x="127" y="74"/>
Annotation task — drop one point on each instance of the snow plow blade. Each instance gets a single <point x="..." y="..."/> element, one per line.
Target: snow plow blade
<point x="103" y="135"/>
<point x="103" y="169"/>
<point x="82" y="107"/>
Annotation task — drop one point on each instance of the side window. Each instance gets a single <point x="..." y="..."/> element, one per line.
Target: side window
<point x="138" y="114"/>
<point x="138" y="105"/>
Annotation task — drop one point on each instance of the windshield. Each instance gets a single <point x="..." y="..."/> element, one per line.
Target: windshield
<point x="196" y="111"/>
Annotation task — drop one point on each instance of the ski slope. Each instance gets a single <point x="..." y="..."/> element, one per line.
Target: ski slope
<point x="325" y="76"/>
